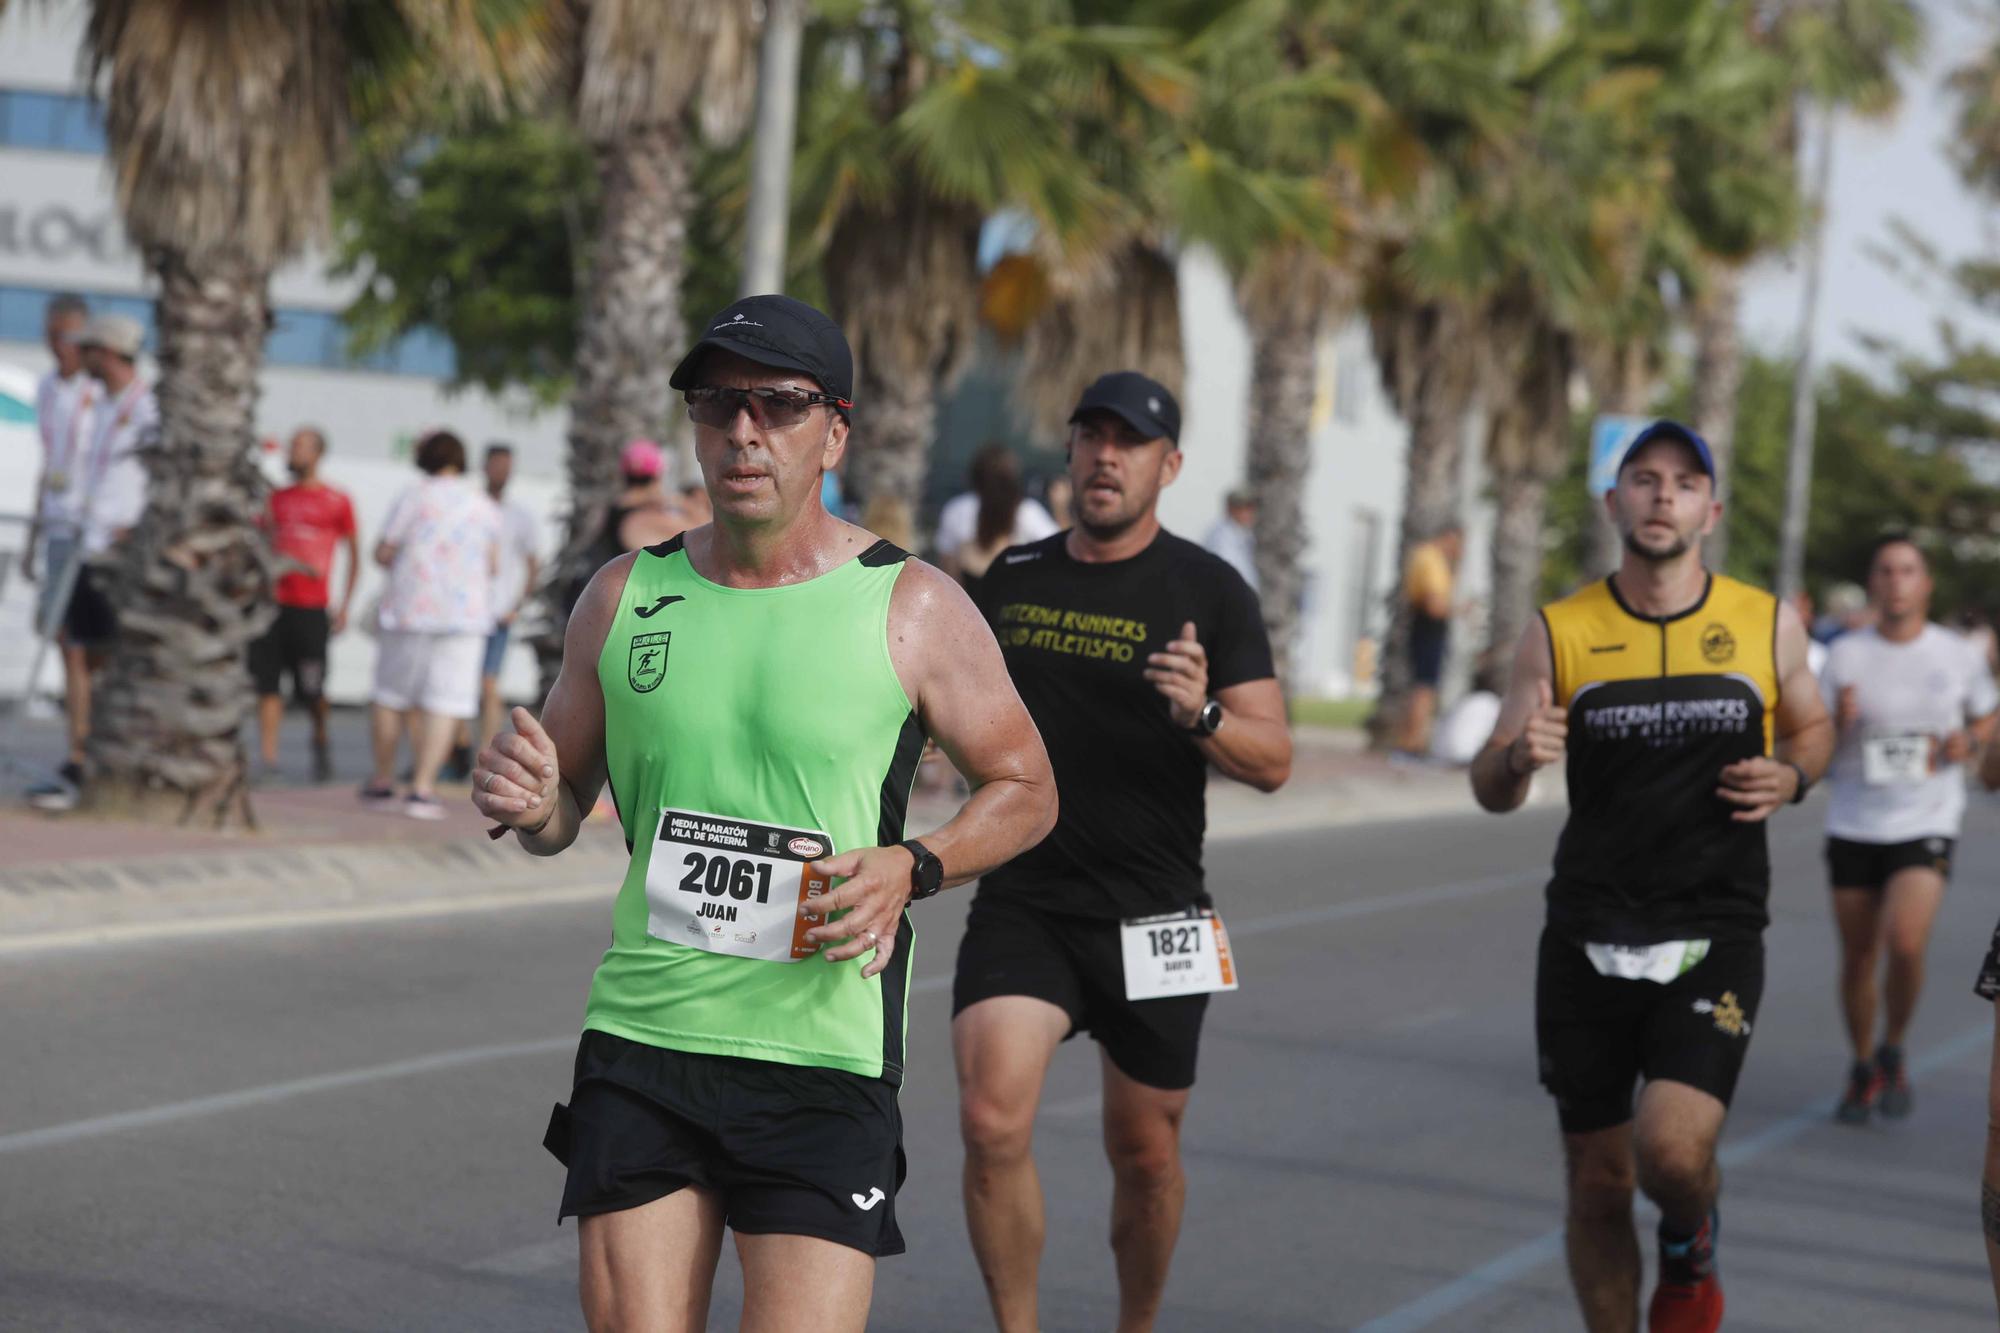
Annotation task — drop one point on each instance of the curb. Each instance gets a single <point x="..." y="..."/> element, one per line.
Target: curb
<point x="58" y="904"/>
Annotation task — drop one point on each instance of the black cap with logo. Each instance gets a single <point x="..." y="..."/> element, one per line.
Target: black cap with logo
<point x="781" y="332"/>
<point x="1143" y="404"/>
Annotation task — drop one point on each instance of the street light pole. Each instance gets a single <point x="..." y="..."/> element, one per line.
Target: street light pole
<point x="1805" y="404"/>
<point x="771" y="154"/>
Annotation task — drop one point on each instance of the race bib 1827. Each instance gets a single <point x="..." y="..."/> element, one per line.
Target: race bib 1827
<point x="1181" y="953"/>
<point x="732" y="886"/>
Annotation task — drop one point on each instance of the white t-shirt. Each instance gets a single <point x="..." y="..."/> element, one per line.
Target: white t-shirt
<point x="1908" y="693"/>
<point x="520" y="542"/>
<point x="958" y="523"/>
<point x="445" y="532"/>
<point x="63" y="411"/>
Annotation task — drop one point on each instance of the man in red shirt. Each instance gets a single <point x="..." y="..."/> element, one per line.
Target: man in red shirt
<point x="306" y="521"/>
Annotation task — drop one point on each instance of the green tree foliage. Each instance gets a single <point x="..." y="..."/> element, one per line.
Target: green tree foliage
<point x="477" y="233"/>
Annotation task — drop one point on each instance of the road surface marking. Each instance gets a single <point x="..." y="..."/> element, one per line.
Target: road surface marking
<point x="1497" y="1274"/>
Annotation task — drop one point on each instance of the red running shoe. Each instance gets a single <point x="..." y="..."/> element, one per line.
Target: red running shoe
<point x="1689" y="1297"/>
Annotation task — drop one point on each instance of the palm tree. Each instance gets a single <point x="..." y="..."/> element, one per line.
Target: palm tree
<point x="225" y="122"/>
<point x="919" y="123"/>
<point x="646" y="87"/>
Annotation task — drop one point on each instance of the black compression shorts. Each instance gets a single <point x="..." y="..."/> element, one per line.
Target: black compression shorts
<point x="1869" y="865"/>
<point x="1597" y="1035"/>
<point x="1076" y="964"/>
<point x="792" y="1151"/>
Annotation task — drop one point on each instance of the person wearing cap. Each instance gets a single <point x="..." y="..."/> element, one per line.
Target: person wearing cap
<point x="92" y="499"/>
<point x="1144" y="662"/>
<point x="1234" y="536"/>
<point x="1681" y="702"/>
<point x="755" y="692"/>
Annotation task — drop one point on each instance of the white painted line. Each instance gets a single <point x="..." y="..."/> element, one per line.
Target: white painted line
<point x="527" y="1260"/>
<point x="1496" y="1274"/>
<point x="71" y="1131"/>
<point x="154" y="1116"/>
<point x="129" y="932"/>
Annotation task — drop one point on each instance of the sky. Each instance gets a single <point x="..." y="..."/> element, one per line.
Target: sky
<point x="1882" y="170"/>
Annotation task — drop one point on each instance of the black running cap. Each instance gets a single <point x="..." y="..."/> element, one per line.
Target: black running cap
<point x="1144" y="404"/>
<point x="780" y="332"/>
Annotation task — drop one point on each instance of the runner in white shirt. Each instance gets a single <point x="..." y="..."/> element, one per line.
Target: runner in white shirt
<point x="1912" y="701"/>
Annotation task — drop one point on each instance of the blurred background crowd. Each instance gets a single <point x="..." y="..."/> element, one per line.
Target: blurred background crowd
<point x="1416" y="269"/>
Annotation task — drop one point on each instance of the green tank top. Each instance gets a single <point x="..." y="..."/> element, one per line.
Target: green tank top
<point x="745" y="728"/>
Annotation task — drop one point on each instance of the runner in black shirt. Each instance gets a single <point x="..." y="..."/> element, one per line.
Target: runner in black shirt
<point x="1143" y="660"/>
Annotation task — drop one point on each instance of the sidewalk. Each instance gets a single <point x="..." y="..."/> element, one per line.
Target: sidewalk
<point x="318" y="853"/>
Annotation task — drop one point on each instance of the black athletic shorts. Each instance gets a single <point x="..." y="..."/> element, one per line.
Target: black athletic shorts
<point x="1597" y="1035"/>
<point x="90" y="621"/>
<point x="294" y="645"/>
<point x="1076" y="964"/>
<point x="1868" y="865"/>
<point x="792" y="1151"/>
<point x="1987" y="986"/>
<point x="1428" y="635"/>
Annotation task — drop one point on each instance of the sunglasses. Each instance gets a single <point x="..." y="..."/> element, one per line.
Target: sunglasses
<point x="769" y="409"/>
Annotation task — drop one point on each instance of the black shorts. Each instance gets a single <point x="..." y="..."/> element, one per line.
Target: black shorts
<point x="1596" y="1035"/>
<point x="1868" y="865"/>
<point x="792" y="1151"/>
<point x="1427" y="644"/>
<point x="1987" y="986"/>
<point x="294" y="645"/>
<point x="1076" y="964"/>
<point x="90" y="621"/>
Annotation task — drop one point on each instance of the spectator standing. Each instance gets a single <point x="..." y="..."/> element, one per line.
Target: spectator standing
<point x="1234" y="539"/>
<point x="441" y="547"/>
<point x="520" y="573"/>
<point x="974" y="528"/>
<point x="306" y="522"/>
<point x="65" y="398"/>
<point x="99" y="493"/>
<point x="1428" y="579"/>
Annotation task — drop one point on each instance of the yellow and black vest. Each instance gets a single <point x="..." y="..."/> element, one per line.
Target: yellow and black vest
<point x="1658" y="706"/>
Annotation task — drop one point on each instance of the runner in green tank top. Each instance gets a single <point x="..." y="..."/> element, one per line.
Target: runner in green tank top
<point x="756" y="694"/>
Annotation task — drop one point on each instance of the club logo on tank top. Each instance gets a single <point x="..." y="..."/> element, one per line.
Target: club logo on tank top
<point x="646" y="664"/>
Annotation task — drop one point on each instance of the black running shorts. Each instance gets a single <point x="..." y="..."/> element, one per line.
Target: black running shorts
<point x="1075" y="963"/>
<point x="294" y="645"/>
<point x="1869" y="865"/>
<point x="792" y="1151"/>
<point x="1987" y="987"/>
<point x="1597" y="1035"/>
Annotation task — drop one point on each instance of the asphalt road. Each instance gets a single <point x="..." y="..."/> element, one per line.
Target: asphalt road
<point x="339" y="1127"/>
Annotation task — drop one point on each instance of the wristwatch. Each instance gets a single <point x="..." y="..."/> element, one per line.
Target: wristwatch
<point x="1208" y="721"/>
<point x="927" y="875"/>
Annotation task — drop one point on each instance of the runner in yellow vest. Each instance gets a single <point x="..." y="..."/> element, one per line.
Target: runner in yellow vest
<point x="757" y="693"/>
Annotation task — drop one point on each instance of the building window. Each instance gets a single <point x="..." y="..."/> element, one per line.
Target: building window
<point x="314" y="339"/>
<point x="53" y="122"/>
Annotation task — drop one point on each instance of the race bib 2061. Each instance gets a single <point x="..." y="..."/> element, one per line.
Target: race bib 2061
<point x="733" y="886"/>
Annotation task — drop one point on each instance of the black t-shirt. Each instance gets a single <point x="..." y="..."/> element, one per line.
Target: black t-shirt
<point x="1076" y="636"/>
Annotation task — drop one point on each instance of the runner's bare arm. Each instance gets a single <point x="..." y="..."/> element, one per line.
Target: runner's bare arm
<point x="1255" y="743"/>
<point x="1804" y="734"/>
<point x="545" y="775"/>
<point x="950" y="667"/>
<point x="1531" y="732"/>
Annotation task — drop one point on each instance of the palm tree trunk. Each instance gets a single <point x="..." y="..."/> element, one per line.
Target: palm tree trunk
<point x="1284" y="346"/>
<point x="1443" y="379"/>
<point x="894" y="431"/>
<point x="194" y="580"/>
<point x="1718" y="378"/>
<point x="1520" y="504"/>
<point x="626" y="344"/>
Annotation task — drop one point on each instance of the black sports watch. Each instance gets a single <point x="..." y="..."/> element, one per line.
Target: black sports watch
<point x="1208" y="721"/>
<point x="927" y="875"/>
